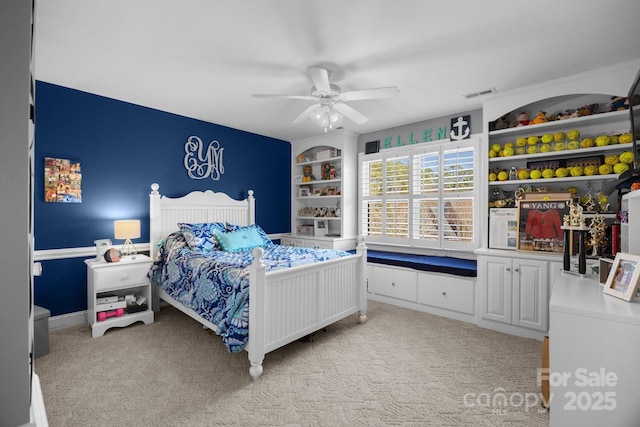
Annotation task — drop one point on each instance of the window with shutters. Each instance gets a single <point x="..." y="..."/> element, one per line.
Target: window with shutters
<point x="422" y="196"/>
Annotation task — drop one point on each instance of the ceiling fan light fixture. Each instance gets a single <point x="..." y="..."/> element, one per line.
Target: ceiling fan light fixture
<point x="326" y="116"/>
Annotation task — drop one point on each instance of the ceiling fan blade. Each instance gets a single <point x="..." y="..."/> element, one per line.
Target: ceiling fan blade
<point x="320" y="78"/>
<point x="350" y="113"/>
<point x="305" y="114"/>
<point x="268" y="95"/>
<point x="376" y="93"/>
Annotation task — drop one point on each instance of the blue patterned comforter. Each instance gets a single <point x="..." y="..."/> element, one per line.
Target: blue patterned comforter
<point x="215" y="284"/>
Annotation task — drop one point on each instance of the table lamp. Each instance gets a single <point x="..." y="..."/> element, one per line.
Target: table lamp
<point x="127" y="229"/>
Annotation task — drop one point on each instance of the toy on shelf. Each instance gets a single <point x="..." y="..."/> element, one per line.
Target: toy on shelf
<point x="307" y="174"/>
<point x="618" y="103"/>
<point x="522" y="118"/>
<point x="541" y="117"/>
<point x="500" y="123"/>
<point x="104" y="315"/>
<point x="588" y="110"/>
<point x="567" y="114"/>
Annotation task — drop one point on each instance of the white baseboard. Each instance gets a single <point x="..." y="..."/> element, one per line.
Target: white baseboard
<point x="68" y="320"/>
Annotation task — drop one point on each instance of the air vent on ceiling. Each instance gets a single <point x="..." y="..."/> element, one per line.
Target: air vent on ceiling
<point x="480" y="93"/>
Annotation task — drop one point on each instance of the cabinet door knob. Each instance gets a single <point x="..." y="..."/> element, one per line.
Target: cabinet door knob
<point x="508" y="268"/>
<point x="124" y="277"/>
<point x="393" y="283"/>
<point x="444" y="294"/>
<point x="516" y="270"/>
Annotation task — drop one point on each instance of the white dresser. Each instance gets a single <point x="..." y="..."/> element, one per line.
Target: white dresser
<point x="594" y="356"/>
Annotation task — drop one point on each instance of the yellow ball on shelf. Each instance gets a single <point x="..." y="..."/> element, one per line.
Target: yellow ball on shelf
<point x="626" y="157"/>
<point x="620" y="168"/>
<point x="605" y="169"/>
<point x="573" y="134"/>
<point x="590" y="170"/>
<point x="625" y="138"/>
<point x="560" y="137"/>
<point x="612" y="159"/>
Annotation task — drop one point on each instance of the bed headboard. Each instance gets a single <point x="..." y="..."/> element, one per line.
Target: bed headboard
<point x="198" y="206"/>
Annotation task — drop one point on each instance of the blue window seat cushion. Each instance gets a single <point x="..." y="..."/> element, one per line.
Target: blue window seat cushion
<point x="439" y="264"/>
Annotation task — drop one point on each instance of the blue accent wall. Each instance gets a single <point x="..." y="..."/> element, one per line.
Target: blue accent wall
<point x="123" y="148"/>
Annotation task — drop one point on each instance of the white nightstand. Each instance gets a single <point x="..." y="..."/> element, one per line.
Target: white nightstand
<point x="126" y="277"/>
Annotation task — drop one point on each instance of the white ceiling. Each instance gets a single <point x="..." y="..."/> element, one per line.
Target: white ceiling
<point x="205" y="58"/>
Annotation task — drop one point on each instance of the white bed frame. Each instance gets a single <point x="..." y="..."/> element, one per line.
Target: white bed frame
<point x="285" y="305"/>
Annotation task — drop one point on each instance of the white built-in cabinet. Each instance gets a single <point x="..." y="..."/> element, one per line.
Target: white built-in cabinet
<point x="514" y="287"/>
<point x="324" y="192"/>
<point x="514" y="292"/>
<point x="431" y="292"/>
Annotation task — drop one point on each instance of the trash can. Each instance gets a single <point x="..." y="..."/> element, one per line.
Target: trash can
<point x="40" y="331"/>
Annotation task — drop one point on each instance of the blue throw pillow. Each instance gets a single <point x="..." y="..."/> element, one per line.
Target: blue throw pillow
<point x="265" y="238"/>
<point x="202" y="235"/>
<point x="241" y="239"/>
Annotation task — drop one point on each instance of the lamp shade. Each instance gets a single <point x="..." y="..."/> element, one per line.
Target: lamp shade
<point x="126" y="229"/>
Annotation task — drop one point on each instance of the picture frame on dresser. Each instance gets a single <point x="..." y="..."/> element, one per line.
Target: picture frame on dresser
<point x="624" y="277"/>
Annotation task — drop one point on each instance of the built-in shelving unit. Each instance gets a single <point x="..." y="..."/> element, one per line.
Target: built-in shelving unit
<point x="589" y="126"/>
<point x="514" y="286"/>
<point x="324" y="192"/>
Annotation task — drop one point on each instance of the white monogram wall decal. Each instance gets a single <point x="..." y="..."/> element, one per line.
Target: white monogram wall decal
<point x="201" y="163"/>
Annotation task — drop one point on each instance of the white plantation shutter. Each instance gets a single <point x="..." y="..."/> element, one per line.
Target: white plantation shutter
<point x="426" y="197"/>
<point x="426" y="219"/>
<point x="371" y="186"/>
<point x="421" y="195"/>
<point x="373" y="214"/>
<point x="397" y="218"/>
<point x="458" y="188"/>
<point x="396" y="190"/>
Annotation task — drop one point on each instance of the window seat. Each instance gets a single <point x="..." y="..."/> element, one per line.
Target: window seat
<point x="439" y="264"/>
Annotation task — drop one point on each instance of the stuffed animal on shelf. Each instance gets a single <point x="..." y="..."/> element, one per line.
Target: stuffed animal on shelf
<point x="618" y="103"/>
<point x="567" y="114"/>
<point x="541" y="117"/>
<point x="500" y="123"/>
<point x="307" y="174"/>
<point x="522" y="118"/>
<point x="588" y="110"/>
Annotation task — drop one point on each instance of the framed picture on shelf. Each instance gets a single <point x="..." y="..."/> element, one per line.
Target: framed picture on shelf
<point x="303" y="192"/>
<point x="320" y="228"/>
<point x="297" y="179"/>
<point x="539" y="225"/>
<point x="317" y="191"/>
<point x="624" y="277"/>
<point x="331" y="191"/>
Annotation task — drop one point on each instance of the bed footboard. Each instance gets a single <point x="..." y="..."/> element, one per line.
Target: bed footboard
<point x="295" y="302"/>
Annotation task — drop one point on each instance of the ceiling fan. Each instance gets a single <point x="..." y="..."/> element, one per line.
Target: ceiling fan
<point x="330" y="101"/>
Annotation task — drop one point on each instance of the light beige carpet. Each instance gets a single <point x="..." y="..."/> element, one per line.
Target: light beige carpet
<point x="400" y="368"/>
